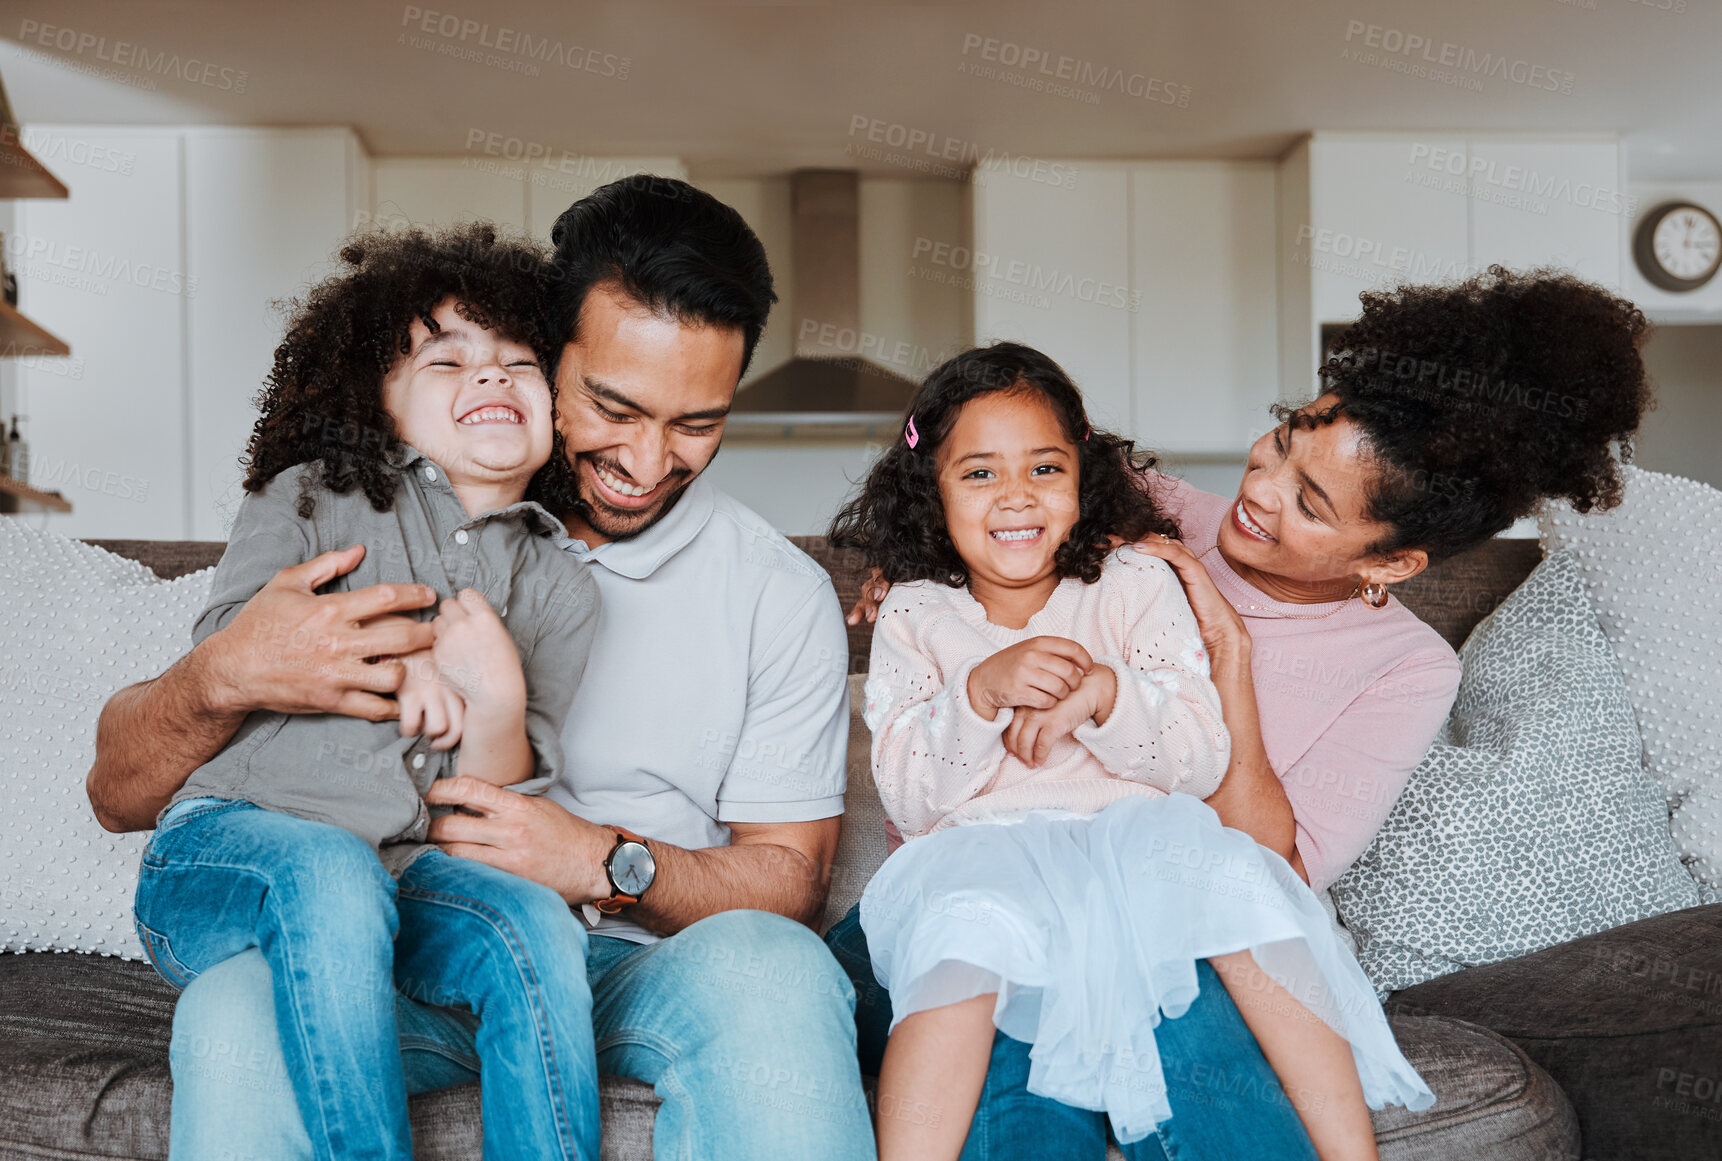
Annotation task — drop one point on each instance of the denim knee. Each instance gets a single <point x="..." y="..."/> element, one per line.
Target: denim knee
<point x="777" y="971"/>
<point x="224" y="1031"/>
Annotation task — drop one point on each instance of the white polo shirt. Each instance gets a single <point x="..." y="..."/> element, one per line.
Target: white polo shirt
<point x="716" y="689"/>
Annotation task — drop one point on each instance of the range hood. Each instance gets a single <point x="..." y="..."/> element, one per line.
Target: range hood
<point x="828" y="390"/>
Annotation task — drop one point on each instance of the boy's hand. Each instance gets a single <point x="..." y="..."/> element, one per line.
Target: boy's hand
<point x="476" y="657"/>
<point x="427" y="706"/>
<point x="1032" y="732"/>
<point x="1037" y="673"/>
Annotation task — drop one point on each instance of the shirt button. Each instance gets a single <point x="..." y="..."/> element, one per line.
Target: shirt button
<point x="418" y="761"/>
<point x="461" y="537"/>
<point x="504" y="612"/>
<point x="430" y="473"/>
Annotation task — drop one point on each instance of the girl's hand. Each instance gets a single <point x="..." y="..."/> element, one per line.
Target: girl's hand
<point x="1222" y="629"/>
<point x="1032" y="732"/>
<point x="477" y="658"/>
<point x="428" y="708"/>
<point x="1037" y="673"/>
<point x="873" y="591"/>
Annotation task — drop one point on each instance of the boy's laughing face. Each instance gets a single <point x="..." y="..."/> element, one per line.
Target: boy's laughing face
<point x="475" y="402"/>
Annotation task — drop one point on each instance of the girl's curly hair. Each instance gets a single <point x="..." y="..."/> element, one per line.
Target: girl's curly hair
<point x="322" y="402"/>
<point x="897" y="520"/>
<point x="1478" y="399"/>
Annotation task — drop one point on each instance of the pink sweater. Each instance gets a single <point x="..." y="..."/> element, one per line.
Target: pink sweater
<point x="1349" y="704"/>
<point x="937" y="762"/>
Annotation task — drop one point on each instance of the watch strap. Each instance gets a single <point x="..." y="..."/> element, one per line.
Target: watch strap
<point x="619" y="900"/>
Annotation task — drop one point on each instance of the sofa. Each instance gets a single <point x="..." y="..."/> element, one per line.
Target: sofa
<point x="1607" y="1047"/>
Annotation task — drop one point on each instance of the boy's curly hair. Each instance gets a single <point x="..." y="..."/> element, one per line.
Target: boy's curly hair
<point x="897" y="520"/>
<point x="1479" y="398"/>
<point x="322" y="402"/>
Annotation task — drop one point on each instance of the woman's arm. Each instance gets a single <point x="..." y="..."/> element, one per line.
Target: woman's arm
<point x="1251" y="797"/>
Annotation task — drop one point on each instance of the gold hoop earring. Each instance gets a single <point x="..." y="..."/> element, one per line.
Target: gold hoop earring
<point x="1375" y="595"/>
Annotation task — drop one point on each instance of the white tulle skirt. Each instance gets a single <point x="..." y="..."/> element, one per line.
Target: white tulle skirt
<point x="1089" y="930"/>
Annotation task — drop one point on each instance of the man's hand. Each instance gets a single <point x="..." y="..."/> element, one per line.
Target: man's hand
<point x="293" y="651"/>
<point x="288" y="650"/>
<point x="1032" y="732"/>
<point x="1037" y="673"/>
<point x="523" y="834"/>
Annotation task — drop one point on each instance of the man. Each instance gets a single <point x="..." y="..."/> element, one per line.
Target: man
<point x="697" y="820"/>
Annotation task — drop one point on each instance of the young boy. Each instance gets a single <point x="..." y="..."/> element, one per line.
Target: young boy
<point x="409" y="408"/>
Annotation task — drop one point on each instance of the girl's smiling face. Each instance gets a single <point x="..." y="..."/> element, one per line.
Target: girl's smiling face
<point x="1008" y="478"/>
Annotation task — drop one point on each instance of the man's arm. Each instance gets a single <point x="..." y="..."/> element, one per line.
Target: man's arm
<point x="288" y="650"/>
<point x="769" y="866"/>
<point x="798" y="704"/>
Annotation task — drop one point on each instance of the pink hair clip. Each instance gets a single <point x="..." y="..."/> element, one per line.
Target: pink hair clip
<point x="1085" y="432"/>
<point x="913" y="436"/>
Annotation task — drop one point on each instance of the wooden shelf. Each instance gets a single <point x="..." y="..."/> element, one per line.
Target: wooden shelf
<point x="19" y="336"/>
<point x="52" y="501"/>
<point x="22" y="176"/>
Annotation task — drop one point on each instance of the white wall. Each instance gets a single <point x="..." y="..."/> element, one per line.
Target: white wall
<point x="498" y="186"/>
<point x="1680" y="436"/>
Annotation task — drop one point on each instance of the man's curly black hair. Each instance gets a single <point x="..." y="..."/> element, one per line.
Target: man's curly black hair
<point x="322" y="402"/>
<point x="1477" y="399"/>
<point x="897" y="520"/>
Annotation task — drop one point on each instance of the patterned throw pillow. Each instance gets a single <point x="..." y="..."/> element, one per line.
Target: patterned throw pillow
<point x="1530" y="822"/>
<point x="1653" y="568"/>
<point x="81" y="623"/>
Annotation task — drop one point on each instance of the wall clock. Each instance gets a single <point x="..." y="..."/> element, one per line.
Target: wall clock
<point x="1678" y="246"/>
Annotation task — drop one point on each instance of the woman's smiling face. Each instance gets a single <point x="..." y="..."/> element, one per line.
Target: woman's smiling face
<point x="1008" y="480"/>
<point x="1299" y="515"/>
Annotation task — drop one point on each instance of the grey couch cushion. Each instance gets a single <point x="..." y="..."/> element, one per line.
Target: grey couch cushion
<point x="1628" y="1021"/>
<point x="1490" y="1100"/>
<point x="84" y="1073"/>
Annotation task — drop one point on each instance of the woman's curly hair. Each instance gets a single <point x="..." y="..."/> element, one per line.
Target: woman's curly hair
<point x="1477" y="399"/>
<point x="897" y="520"/>
<point x="322" y="402"/>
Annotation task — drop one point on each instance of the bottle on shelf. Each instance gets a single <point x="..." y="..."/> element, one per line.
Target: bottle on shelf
<point x="18" y="453"/>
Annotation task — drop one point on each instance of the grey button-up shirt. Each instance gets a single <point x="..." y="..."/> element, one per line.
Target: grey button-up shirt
<point x="363" y="776"/>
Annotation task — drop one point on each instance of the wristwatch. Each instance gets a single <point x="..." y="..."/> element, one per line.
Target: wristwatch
<point x="630" y="868"/>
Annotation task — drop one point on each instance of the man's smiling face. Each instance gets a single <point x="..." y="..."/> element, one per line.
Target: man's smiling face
<point x="641" y="402"/>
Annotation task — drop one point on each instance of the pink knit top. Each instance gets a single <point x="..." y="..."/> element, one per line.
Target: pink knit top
<point x="938" y="763"/>
<point x="1348" y="704"/>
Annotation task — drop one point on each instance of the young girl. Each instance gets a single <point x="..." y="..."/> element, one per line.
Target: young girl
<point x="407" y="411"/>
<point x="1044" y="729"/>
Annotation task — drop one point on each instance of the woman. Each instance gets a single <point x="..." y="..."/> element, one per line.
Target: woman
<point x="1446" y="413"/>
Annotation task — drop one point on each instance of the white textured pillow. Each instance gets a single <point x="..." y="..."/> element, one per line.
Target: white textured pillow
<point x="79" y="624"/>
<point x="1653" y="569"/>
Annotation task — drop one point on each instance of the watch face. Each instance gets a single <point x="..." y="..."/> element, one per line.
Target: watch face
<point x="632" y="868"/>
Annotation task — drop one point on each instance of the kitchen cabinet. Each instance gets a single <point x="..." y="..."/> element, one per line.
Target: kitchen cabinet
<point x="1152" y="283"/>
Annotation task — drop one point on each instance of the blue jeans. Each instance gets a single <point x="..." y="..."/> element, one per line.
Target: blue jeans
<point x="1226" y="1102"/>
<point x="339" y="937"/>
<point x="742" y="1023"/>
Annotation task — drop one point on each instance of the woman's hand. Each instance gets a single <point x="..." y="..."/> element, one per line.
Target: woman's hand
<point x="1222" y="629"/>
<point x="873" y="591"/>
<point x="1037" y="673"/>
